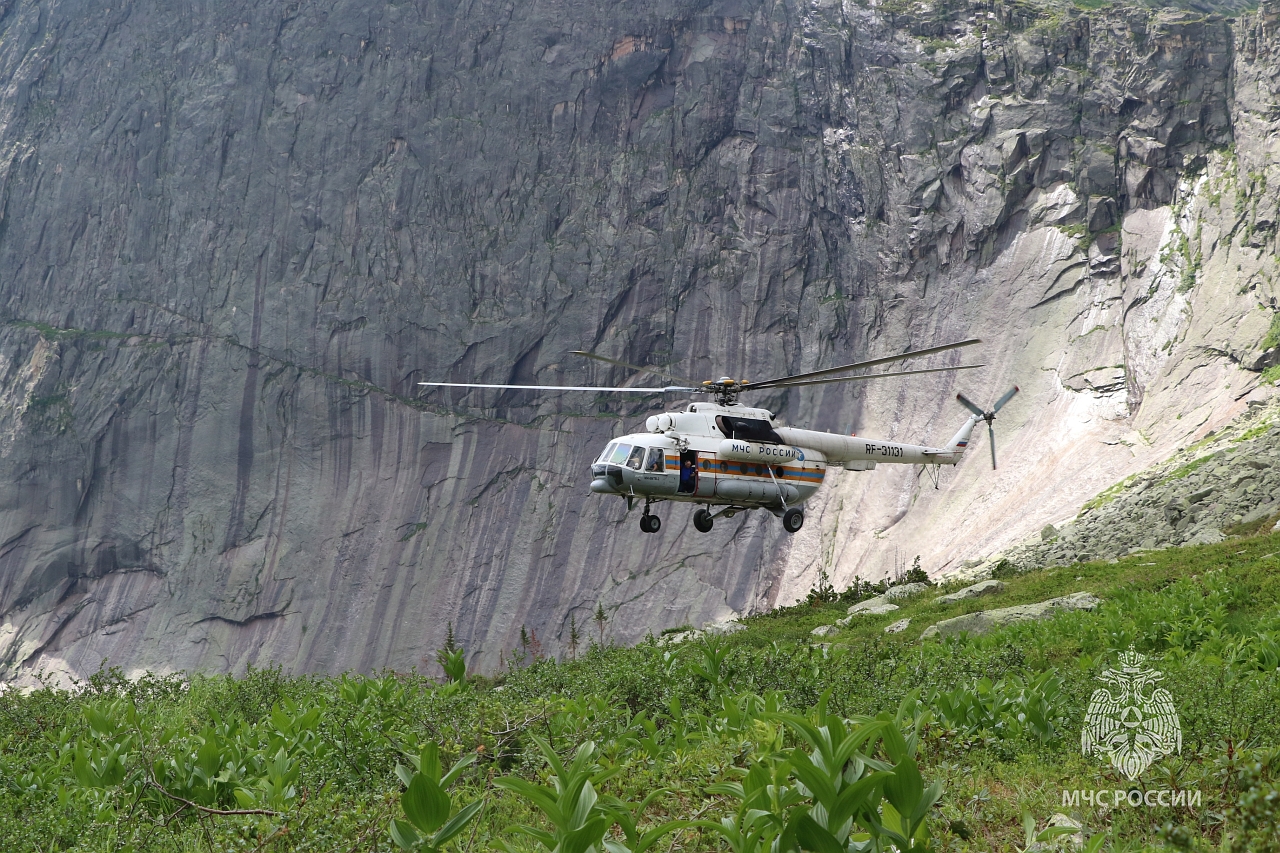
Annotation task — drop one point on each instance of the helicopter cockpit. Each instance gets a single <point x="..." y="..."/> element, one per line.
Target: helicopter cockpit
<point x="625" y="464"/>
<point x="636" y="457"/>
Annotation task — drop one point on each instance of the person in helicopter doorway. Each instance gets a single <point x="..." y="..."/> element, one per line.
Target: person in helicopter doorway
<point x="688" y="476"/>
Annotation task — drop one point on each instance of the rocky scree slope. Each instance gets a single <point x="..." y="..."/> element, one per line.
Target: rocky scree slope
<point x="233" y="236"/>
<point x="1229" y="479"/>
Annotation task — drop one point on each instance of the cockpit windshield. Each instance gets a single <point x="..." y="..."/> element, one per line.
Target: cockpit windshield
<point x="620" y="454"/>
<point x="608" y="451"/>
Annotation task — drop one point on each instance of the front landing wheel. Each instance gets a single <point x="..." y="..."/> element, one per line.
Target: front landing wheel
<point x="793" y="519"/>
<point x="650" y="523"/>
<point x="702" y="521"/>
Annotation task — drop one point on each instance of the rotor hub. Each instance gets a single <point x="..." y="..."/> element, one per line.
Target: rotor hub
<point x="724" y="389"/>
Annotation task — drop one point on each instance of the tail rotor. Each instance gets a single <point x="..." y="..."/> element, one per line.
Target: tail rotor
<point x="989" y="417"/>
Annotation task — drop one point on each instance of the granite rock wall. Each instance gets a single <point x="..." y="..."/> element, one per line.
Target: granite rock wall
<point x="234" y="236"/>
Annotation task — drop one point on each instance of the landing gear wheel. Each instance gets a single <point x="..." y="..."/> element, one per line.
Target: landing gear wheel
<point x="702" y="521"/>
<point x="793" y="519"/>
<point x="650" y="523"/>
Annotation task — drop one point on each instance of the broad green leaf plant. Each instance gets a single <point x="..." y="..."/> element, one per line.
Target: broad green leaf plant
<point x="859" y="802"/>
<point x="432" y="821"/>
<point x="578" y="816"/>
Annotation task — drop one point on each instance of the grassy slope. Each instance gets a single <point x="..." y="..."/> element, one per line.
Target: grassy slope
<point x="1190" y="609"/>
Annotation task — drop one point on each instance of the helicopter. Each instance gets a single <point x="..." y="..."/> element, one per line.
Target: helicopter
<point x="721" y="454"/>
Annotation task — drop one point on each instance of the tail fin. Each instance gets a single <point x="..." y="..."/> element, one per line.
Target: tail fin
<point x="961" y="440"/>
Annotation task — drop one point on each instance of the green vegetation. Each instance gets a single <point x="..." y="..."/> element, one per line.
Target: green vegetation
<point x="1107" y="495"/>
<point x="1272" y="338"/>
<point x="1190" y="262"/>
<point x="932" y="46"/>
<point x="758" y="741"/>
<point x="1090" y="5"/>
<point x="54" y="410"/>
<point x="52" y="333"/>
<point x="1251" y="528"/>
<point x="1257" y="429"/>
<point x="1184" y="470"/>
<point x="415" y="529"/>
<point x="1073" y="229"/>
<point x="1084" y="237"/>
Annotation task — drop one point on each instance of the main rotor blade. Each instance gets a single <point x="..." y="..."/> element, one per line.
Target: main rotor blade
<point x="862" y="376"/>
<point x="614" y="361"/>
<point x="991" y="434"/>
<point x="1006" y="398"/>
<point x="971" y="406"/>
<point x="857" y="365"/>
<point x="668" y="389"/>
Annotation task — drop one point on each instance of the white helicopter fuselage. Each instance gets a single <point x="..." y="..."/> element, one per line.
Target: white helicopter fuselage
<point x="740" y="458"/>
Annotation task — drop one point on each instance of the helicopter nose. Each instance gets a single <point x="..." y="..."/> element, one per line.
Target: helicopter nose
<point x="602" y="480"/>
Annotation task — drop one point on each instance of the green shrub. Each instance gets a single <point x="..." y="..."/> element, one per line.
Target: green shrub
<point x="1272" y="339"/>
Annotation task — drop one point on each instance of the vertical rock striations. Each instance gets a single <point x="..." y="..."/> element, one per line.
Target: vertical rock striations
<point x="234" y="236"/>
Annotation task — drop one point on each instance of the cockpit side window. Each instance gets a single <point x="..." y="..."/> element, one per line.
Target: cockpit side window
<point x="636" y="459"/>
<point x="604" y="457"/>
<point x="657" y="460"/>
<point x="620" y="453"/>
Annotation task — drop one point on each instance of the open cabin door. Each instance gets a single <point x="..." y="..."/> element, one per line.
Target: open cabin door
<point x="688" y="472"/>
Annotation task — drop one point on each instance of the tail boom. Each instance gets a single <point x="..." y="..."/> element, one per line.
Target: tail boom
<point x="839" y="449"/>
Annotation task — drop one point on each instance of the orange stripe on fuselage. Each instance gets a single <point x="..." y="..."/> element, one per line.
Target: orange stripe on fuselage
<point x="751" y="469"/>
<point x="712" y="465"/>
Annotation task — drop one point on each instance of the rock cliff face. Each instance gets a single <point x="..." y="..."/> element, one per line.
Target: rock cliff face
<point x="233" y="236"/>
<point x="1228" y="480"/>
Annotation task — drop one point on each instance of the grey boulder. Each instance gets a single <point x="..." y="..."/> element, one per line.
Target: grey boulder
<point x="1260" y="512"/>
<point x="897" y="593"/>
<point x="1208" y="536"/>
<point x="986" y="620"/>
<point x="872" y="607"/>
<point x="727" y="626"/>
<point x="977" y="590"/>
<point x="883" y="603"/>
